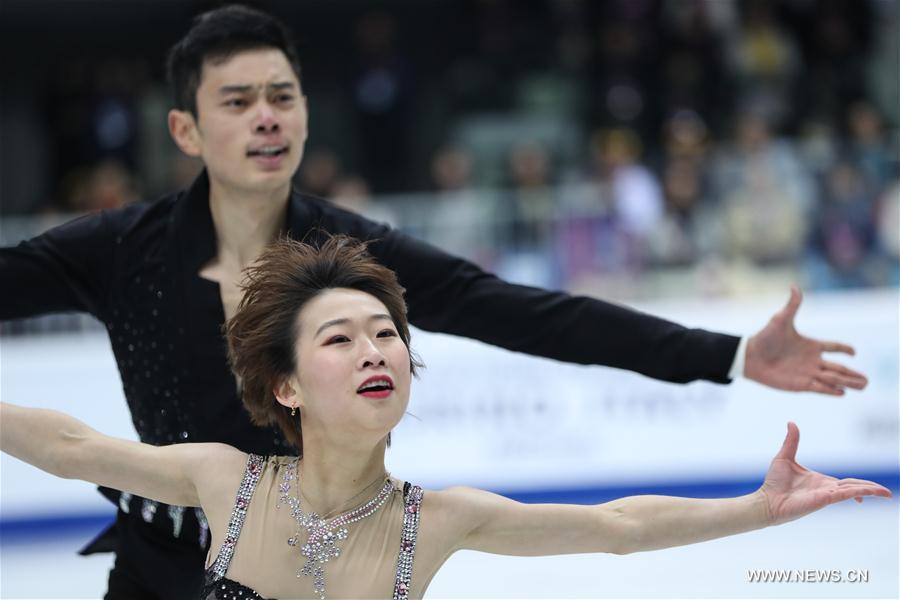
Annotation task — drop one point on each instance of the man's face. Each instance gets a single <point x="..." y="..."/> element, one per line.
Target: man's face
<point x="251" y="121"/>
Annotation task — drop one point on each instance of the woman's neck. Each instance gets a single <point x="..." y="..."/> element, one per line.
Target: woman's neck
<point x="336" y="479"/>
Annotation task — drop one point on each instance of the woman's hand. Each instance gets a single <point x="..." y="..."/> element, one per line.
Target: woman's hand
<point x="792" y="491"/>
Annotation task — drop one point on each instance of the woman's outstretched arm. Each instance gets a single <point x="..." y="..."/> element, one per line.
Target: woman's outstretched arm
<point x="66" y="447"/>
<point x="491" y="523"/>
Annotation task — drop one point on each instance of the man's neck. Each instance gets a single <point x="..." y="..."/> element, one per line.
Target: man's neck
<point x="337" y="479"/>
<point x="245" y="222"/>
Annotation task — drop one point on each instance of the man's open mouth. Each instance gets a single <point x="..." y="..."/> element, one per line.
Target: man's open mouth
<point x="268" y="151"/>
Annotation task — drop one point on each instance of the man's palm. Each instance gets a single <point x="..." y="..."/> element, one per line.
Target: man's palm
<point x="779" y="357"/>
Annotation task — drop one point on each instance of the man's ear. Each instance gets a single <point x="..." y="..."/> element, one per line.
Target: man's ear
<point x="183" y="129"/>
<point x="305" y="118"/>
<point x="287" y="393"/>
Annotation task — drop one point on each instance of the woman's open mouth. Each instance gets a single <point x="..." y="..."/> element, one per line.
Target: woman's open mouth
<point x="379" y="386"/>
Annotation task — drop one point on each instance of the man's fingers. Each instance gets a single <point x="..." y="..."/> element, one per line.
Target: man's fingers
<point x="791" y="441"/>
<point x="854" y="379"/>
<point x="837" y="347"/>
<point x="793" y="304"/>
<point x="821" y="387"/>
<point x="839" y="382"/>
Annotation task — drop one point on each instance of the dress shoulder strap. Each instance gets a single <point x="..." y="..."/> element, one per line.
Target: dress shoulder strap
<point x="412" y="503"/>
<point x="252" y="474"/>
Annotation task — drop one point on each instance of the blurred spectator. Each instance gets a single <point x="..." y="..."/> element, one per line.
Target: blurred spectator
<point x="93" y="107"/>
<point x="802" y="92"/>
<point x="571" y="21"/>
<point x="844" y="232"/>
<point x="319" y="171"/>
<point x="686" y="136"/>
<point x="673" y="242"/>
<point x="837" y="34"/>
<point x="490" y="38"/>
<point x="107" y="185"/>
<point x="451" y="169"/>
<point x="463" y="219"/>
<point x="352" y="192"/>
<point x="622" y="76"/>
<point x="528" y="221"/>
<point x="383" y="94"/>
<point x="765" y="60"/>
<point x="693" y="74"/>
<point x="766" y="194"/>
<point x="682" y="232"/>
<point x="889" y="233"/>
<point x="533" y="201"/>
<point x="636" y="194"/>
<point x="626" y="203"/>
<point x="868" y="143"/>
<point x="817" y="145"/>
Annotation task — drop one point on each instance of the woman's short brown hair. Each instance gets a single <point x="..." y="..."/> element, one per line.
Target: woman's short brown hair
<point x="262" y="335"/>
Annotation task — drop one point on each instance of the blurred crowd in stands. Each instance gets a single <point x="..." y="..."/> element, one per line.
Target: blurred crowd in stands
<point x="592" y="146"/>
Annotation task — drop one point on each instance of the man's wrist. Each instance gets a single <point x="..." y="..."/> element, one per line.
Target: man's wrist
<point x="740" y="359"/>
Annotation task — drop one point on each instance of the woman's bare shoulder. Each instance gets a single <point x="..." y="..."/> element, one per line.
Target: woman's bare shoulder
<point x="450" y="514"/>
<point x="217" y="473"/>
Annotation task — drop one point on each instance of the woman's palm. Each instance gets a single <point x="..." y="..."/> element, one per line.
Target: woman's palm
<point x="793" y="491"/>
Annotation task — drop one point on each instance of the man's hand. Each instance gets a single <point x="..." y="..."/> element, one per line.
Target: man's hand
<point x="792" y="491"/>
<point x="781" y="358"/>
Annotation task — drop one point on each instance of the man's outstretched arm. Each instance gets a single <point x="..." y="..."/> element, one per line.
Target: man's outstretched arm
<point x="63" y="270"/>
<point x="451" y="295"/>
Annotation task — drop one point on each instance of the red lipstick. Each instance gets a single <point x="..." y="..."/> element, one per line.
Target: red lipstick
<point x="376" y="386"/>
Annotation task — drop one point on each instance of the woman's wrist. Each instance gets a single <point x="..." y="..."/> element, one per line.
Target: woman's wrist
<point x="758" y="505"/>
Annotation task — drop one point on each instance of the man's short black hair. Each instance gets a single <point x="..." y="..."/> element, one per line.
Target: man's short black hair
<point x="215" y="36"/>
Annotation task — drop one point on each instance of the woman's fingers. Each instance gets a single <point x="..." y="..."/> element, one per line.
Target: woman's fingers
<point x="858" y="490"/>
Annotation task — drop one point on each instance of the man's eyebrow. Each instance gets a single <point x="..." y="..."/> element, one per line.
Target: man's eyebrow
<point x="244" y="88"/>
<point x="342" y="321"/>
<point x="235" y="89"/>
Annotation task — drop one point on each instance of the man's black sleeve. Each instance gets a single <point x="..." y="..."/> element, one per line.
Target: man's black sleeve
<point x="68" y="268"/>
<point x="451" y="295"/>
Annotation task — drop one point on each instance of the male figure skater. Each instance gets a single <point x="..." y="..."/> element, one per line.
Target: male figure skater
<point x="163" y="277"/>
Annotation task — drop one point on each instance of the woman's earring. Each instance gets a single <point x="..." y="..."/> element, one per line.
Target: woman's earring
<point x="294" y="411"/>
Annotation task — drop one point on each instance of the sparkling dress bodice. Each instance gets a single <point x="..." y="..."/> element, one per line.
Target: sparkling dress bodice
<point x="376" y="558"/>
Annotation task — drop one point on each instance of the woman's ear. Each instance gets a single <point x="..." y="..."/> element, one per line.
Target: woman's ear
<point x="288" y="393"/>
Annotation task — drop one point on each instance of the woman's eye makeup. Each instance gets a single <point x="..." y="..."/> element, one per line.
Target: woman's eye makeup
<point x="339" y="339"/>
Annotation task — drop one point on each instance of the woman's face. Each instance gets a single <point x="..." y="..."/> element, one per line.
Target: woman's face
<point x="353" y="369"/>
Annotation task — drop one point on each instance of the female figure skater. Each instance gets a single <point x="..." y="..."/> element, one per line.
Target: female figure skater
<point x="320" y="347"/>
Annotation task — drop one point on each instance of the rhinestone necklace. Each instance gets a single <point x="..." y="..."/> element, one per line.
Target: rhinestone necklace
<point x="321" y="544"/>
<point x="349" y="502"/>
